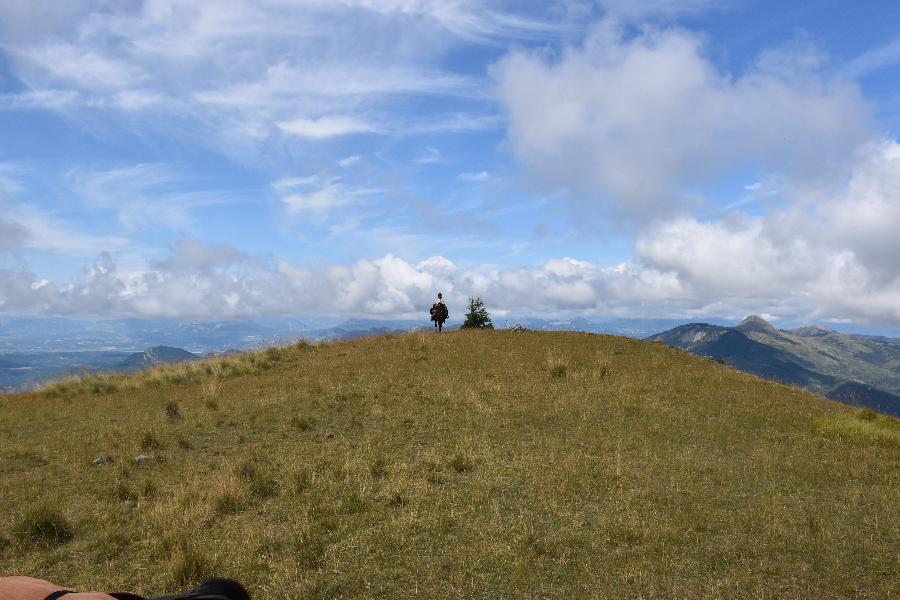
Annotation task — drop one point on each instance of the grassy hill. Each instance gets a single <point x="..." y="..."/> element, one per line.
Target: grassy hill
<point x="465" y="465"/>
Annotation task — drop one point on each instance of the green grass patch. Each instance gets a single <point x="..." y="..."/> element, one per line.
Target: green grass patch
<point x="863" y="428"/>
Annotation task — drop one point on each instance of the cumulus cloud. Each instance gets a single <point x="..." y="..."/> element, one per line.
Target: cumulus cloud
<point x="218" y="281"/>
<point x="633" y="122"/>
<point x="832" y="257"/>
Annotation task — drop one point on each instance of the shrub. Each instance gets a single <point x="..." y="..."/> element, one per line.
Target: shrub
<point x="45" y="525"/>
<point x="477" y="316"/>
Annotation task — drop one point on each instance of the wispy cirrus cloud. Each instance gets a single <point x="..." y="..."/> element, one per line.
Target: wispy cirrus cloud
<point x="873" y="60"/>
<point x="318" y="196"/>
<point x="145" y="195"/>
<point x="326" y="127"/>
<point x="167" y="61"/>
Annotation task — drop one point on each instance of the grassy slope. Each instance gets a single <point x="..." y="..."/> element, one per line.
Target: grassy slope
<point x="544" y="465"/>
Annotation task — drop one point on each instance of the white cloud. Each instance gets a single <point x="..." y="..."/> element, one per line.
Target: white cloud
<point x="318" y="196"/>
<point x="873" y="60"/>
<point x="430" y="156"/>
<point x="634" y="122"/>
<point x="326" y="127"/>
<point x="349" y="161"/>
<point x="474" y="177"/>
<point x="240" y="71"/>
<point x="829" y="257"/>
<point x="28" y="227"/>
<point x="145" y="195"/>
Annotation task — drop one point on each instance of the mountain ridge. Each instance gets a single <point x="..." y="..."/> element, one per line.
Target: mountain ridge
<point x="814" y="357"/>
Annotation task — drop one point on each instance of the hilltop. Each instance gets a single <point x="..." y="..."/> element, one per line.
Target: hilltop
<point x="470" y="464"/>
<point x="155" y="356"/>
<point x="824" y="361"/>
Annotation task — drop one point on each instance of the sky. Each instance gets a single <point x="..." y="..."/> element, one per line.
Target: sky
<point x="617" y="158"/>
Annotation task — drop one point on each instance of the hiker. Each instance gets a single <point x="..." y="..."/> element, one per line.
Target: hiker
<point x="439" y="312"/>
<point x="28" y="588"/>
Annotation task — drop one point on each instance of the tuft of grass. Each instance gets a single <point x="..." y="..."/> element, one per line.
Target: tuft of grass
<point x="354" y="503"/>
<point x="301" y="423"/>
<point x="461" y="463"/>
<point x="124" y="493"/>
<point x="263" y="487"/>
<point x="229" y="498"/>
<point x="398" y="500"/>
<point x="557" y="366"/>
<point x="190" y="566"/>
<point x="149" y="489"/>
<point x="301" y="481"/>
<point x="44" y="526"/>
<point x="309" y="550"/>
<point x="378" y="468"/>
<point x="173" y="411"/>
<point x="150" y="442"/>
<point x="868" y="415"/>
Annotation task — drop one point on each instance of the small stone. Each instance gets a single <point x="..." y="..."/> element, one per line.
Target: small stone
<point x="141" y="458"/>
<point x="102" y="460"/>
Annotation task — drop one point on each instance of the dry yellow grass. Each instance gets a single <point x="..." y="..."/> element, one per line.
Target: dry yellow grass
<point x="465" y="465"/>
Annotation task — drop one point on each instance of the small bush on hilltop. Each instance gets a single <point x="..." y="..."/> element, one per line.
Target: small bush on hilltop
<point x="477" y="317"/>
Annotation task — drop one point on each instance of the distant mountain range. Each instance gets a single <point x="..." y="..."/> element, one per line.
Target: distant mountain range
<point x="862" y="370"/>
<point x="855" y="369"/>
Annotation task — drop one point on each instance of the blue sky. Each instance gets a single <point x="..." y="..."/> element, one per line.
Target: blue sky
<point x="688" y="159"/>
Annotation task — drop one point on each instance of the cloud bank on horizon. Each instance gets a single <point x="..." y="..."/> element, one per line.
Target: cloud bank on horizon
<point x="653" y="158"/>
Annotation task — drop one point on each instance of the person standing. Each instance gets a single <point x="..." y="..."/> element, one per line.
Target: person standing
<point x="439" y="312"/>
